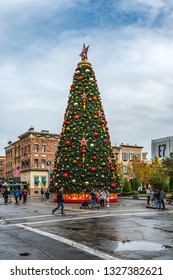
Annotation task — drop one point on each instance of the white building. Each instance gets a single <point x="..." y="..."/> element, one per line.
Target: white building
<point x="162" y="147"/>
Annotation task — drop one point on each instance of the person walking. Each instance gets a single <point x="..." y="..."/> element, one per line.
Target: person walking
<point x="162" y="196"/>
<point x="16" y="196"/>
<point x="102" y="198"/>
<point x="5" y="195"/>
<point x="93" y="200"/>
<point x="24" y="194"/>
<point x="148" y="193"/>
<point x="158" y="201"/>
<point x="107" y="198"/>
<point x="47" y="195"/>
<point x="60" y="200"/>
<point x="42" y="194"/>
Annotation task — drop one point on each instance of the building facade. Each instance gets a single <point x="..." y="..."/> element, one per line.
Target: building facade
<point x="30" y="159"/>
<point x="125" y="153"/>
<point x="2" y="170"/>
<point x="162" y="147"/>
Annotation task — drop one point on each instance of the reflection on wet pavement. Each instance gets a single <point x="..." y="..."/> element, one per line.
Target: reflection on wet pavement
<point x="141" y="246"/>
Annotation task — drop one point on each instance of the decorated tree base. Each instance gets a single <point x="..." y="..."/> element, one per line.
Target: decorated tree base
<point x="81" y="197"/>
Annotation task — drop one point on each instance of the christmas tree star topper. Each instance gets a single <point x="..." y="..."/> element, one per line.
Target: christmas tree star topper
<point x="84" y="52"/>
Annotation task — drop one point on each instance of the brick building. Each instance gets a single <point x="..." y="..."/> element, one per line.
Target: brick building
<point x="2" y="170"/>
<point x="30" y="159"/>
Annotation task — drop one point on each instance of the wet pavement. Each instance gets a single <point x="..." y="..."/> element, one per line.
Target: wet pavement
<point x="126" y="230"/>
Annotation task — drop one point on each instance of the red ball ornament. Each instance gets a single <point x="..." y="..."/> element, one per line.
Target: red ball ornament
<point x="80" y="78"/>
<point x="113" y="185"/>
<point x="94" y="98"/>
<point x="76" y="117"/>
<point x="65" y="175"/>
<point x="93" y="169"/>
<point x="67" y="143"/>
<point x="73" y="147"/>
<point x="94" y="157"/>
<point x="83" y="151"/>
<point x="112" y="168"/>
<point x="95" y="134"/>
<point x="55" y="169"/>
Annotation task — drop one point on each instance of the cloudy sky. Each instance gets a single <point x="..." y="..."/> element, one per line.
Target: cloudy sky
<point x="131" y="51"/>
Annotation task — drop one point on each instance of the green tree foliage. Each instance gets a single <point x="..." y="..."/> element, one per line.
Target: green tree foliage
<point x="126" y="186"/>
<point x="134" y="184"/>
<point x="141" y="171"/>
<point x="158" y="178"/>
<point x="168" y="167"/>
<point x="84" y="159"/>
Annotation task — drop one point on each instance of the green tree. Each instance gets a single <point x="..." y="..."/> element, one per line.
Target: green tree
<point x="126" y="186"/>
<point x="84" y="159"/>
<point x="168" y="167"/>
<point x="141" y="171"/>
<point x="158" y="179"/>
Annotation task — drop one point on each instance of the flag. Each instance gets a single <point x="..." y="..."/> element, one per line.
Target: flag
<point x="17" y="172"/>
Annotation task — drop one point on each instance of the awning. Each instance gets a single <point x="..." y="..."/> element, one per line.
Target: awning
<point x="36" y="180"/>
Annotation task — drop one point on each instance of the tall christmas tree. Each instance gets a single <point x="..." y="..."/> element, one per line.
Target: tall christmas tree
<point x="84" y="159"/>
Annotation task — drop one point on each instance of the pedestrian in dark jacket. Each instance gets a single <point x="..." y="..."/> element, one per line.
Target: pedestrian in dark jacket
<point x="6" y="194"/>
<point x="24" y="194"/>
<point x="60" y="200"/>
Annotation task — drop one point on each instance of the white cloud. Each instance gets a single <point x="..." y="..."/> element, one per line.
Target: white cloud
<point x="133" y="66"/>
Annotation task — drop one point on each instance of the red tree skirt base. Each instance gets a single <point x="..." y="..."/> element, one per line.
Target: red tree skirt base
<point x="81" y="197"/>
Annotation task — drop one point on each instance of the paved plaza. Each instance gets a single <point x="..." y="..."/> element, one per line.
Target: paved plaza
<point x="126" y="230"/>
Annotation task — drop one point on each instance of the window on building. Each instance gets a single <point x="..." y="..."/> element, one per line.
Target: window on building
<point x="24" y="151"/>
<point x="0" y="162"/>
<point x="43" y="165"/>
<point x="131" y="156"/>
<point x="43" y="148"/>
<point x="124" y="169"/>
<point x="124" y="156"/>
<point x="35" y="147"/>
<point x="43" y="180"/>
<point x="36" y="181"/>
<point x="0" y="172"/>
<point x="138" y="156"/>
<point x="35" y="162"/>
<point x="28" y="148"/>
<point x="55" y="149"/>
